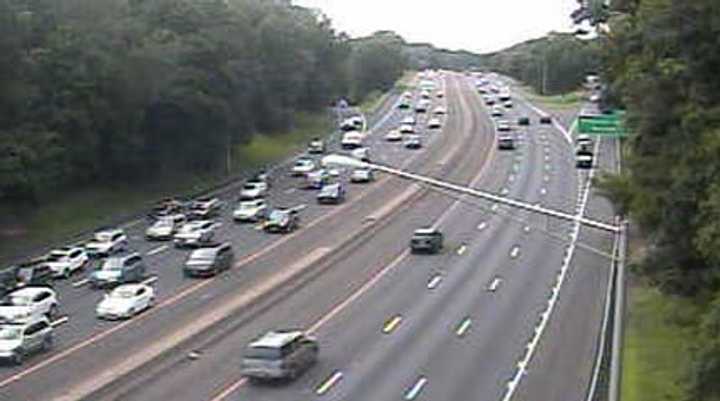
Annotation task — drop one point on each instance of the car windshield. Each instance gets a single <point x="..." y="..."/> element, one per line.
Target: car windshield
<point x="248" y="206"/>
<point x="57" y="257"/>
<point x="277" y="215"/>
<point x="249" y="186"/>
<point x="112" y="264"/>
<point x="10" y="332"/>
<point x="103" y="237"/>
<point x="163" y="223"/>
<point x="263" y="353"/>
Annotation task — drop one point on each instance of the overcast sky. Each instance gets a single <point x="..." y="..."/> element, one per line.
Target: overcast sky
<point x="475" y="25"/>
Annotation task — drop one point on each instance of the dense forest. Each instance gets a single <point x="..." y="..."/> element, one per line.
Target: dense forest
<point x="121" y="90"/>
<point x="662" y="61"/>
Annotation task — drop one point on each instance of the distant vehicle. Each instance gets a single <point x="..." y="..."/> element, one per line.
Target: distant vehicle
<point x="33" y="273"/>
<point x="393" y="136"/>
<point x="545" y="119"/>
<point x="407" y="129"/>
<point x="426" y="240"/>
<point x="422" y="106"/>
<point x="352" y="140"/>
<point x="282" y="221"/>
<point x="205" y="208"/>
<point x="165" y="227"/>
<point x="316" y="146"/>
<point x="497" y="112"/>
<point x="66" y="261"/>
<point x="595" y="98"/>
<point x="8" y="280"/>
<point x="503" y="126"/>
<point x="316" y="179"/>
<point x="352" y="124"/>
<point x="28" y="304"/>
<point x="167" y="207"/>
<point x="302" y="166"/>
<point x="523" y="120"/>
<point x="434" y="123"/>
<point x="253" y="190"/>
<point x="440" y="111"/>
<point x="425" y="94"/>
<point x="18" y="341"/>
<point x="333" y="193"/>
<point x="506" y="142"/>
<point x="584" y="141"/>
<point x="489" y="100"/>
<point x="250" y="211"/>
<point x="361" y="175"/>
<point x="584" y="159"/>
<point x="279" y="355"/>
<point x="106" y="243"/>
<point x="125" y="301"/>
<point x="504" y="96"/>
<point x="195" y="233"/>
<point x="117" y="270"/>
<point x="440" y="94"/>
<point x="508" y="104"/>
<point x="409" y="120"/>
<point x="404" y="104"/>
<point x="361" y="154"/>
<point x="413" y="142"/>
<point x="209" y="261"/>
<point x="358" y="122"/>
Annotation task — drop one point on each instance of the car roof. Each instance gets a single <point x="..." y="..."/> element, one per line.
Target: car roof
<point x="131" y="286"/>
<point x="276" y="339"/>
<point x="426" y="230"/>
<point x="110" y="231"/>
<point x="30" y="291"/>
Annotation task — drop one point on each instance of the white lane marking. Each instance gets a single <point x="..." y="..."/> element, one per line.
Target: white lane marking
<point x="515" y="252"/>
<point x="80" y="283"/>
<point x="546" y="178"/>
<point x="290" y="191"/>
<point x="495" y="284"/>
<point x="482" y="226"/>
<point x="505" y="191"/>
<point x="157" y="250"/>
<point x="392" y="324"/>
<point x="150" y="280"/>
<point x="415" y="390"/>
<point x="463" y="327"/>
<point x="511" y="178"/>
<point x="526" y="229"/>
<point x="329" y="383"/>
<point x="543" y="191"/>
<point x="59" y="321"/>
<point x="461" y="249"/>
<point x="434" y="282"/>
<point x="495" y="207"/>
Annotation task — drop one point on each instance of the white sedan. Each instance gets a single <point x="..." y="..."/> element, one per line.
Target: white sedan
<point x="65" y="261"/>
<point x="126" y="301"/>
<point x="302" y="167"/>
<point x="393" y="136"/>
<point x="434" y="123"/>
<point x="253" y="190"/>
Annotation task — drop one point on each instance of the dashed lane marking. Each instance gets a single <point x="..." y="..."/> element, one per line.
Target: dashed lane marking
<point x="329" y="383"/>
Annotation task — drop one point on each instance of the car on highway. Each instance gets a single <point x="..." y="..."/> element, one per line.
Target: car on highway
<point x="412" y="142"/>
<point x="27" y="304"/>
<point x="164" y="228"/>
<point x="20" y="340"/>
<point x="351" y="124"/>
<point x="302" y="166"/>
<point x="434" y="123"/>
<point x="352" y="140"/>
<point x="333" y="193"/>
<point x="425" y="94"/>
<point x="205" y="208"/>
<point x="440" y="111"/>
<point x="280" y="354"/>
<point x="523" y="120"/>
<point x="362" y="154"/>
<point x="195" y="233"/>
<point x="393" y="135"/>
<point x="167" y="207"/>
<point x="404" y="104"/>
<point x="439" y="94"/>
<point x="316" y="146"/>
<point x="407" y="129"/>
<point x="34" y="272"/>
<point x="282" y="221"/>
<point x="506" y="142"/>
<point x="253" y="190"/>
<point x="107" y="242"/>
<point x="584" y="141"/>
<point x="125" y="301"/>
<point x="422" y="106"/>
<point x="503" y="126"/>
<point x="250" y="211"/>
<point x="316" y="179"/>
<point x="409" y="120"/>
<point x="504" y="96"/>
<point x="117" y="270"/>
<point x="489" y="100"/>
<point x="584" y="159"/>
<point x="426" y="240"/>
<point x="362" y="175"/>
<point x="65" y="261"/>
<point x="497" y="112"/>
<point x="209" y="260"/>
<point x="545" y="119"/>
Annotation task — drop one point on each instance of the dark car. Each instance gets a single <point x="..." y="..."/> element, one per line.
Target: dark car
<point x="209" y="261"/>
<point x="8" y="280"/>
<point x="316" y="146"/>
<point x="205" y="208"/>
<point x="426" y="240"/>
<point x="282" y="221"/>
<point x="506" y="142"/>
<point x="117" y="270"/>
<point x="545" y="120"/>
<point x="523" y="121"/>
<point x="34" y="273"/>
<point x="333" y="193"/>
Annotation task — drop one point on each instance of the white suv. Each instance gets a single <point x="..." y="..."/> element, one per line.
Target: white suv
<point x="28" y="304"/>
<point x="252" y="210"/>
<point x="65" y="261"/>
<point x="107" y="242"/>
<point x="253" y="190"/>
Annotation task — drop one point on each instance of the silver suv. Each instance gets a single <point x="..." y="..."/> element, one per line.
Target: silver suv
<point x="282" y="354"/>
<point x="17" y="341"/>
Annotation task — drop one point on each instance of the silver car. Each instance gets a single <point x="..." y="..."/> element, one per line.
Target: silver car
<point x="17" y="341"/>
<point x="279" y="355"/>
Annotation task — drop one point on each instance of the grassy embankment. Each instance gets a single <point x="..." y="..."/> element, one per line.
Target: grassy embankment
<point x="374" y="99"/>
<point x="570" y="100"/>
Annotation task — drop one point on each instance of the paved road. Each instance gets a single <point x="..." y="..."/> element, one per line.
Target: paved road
<point x="346" y="276"/>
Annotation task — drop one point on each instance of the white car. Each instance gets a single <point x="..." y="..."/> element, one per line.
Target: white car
<point x="434" y="123"/>
<point x="439" y="111"/>
<point x="65" y="261"/>
<point x="393" y="136"/>
<point x="107" y="242"/>
<point x="362" y="175"/>
<point x="125" y="301"/>
<point x="28" y="304"/>
<point x="425" y="94"/>
<point x="165" y="227"/>
<point x="302" y="167"/>
<point x="252" y="210"/>
<point x="361" y="154"/>
<point x="352" y="140"/>
<point x="497" y="112"/>
<point x="409" y="120"/>
<point x="440" y="94"/>
<point x="407" y="129"/>
<point x="253" y="190"/>
<point x="422" y="106"/>
<point x="195" y="233"/>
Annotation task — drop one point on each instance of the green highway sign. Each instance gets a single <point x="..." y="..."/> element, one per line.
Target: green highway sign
<point x="602" y="124"/>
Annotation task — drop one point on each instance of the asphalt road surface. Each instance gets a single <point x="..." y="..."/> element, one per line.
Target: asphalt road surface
<point x="391" y="325"/>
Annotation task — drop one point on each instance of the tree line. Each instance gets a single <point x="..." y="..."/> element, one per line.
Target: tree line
<point x="661" y="60"/>
<point x="122" y="90"/>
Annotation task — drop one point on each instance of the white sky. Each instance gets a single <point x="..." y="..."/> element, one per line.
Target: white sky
<point x="475" y="25"/>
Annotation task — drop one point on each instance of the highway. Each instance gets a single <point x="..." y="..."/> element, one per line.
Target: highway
<point x="391" y="325"/>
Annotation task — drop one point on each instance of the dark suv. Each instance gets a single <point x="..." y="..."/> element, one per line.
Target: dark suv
<point x="209" y="261"/>
<point x="426" y="240"/>
<point x="117" y="270"/>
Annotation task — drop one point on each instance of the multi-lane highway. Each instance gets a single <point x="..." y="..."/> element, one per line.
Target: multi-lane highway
<point x="473" y="322"/>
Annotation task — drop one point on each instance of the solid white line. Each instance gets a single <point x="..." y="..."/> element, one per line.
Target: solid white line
<point x="464" y="326"/>
<point x="515" y="252"/>
<point x="415" y="390"/>
<point x="59" y="321"/>
<point x="329" y="383"/>
<point x="80" y="283"/>
<point x="150" y="280"/>
<point x="157" y="250"/>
